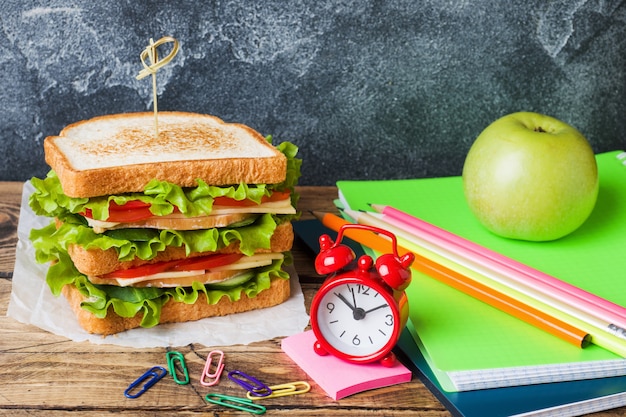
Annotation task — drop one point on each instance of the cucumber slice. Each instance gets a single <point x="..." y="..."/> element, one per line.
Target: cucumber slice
<point x="235" y="281"/>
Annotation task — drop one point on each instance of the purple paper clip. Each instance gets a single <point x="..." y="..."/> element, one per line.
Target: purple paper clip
<point x="250" y="384"/>
<point x="213" y="376"/>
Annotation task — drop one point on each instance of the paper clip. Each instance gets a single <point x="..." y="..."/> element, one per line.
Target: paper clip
<point x="282" y="390"/>
<point x="174" y="357"/>
<point x="249" y="383"/>
<point x="214" y="376"/>
<point x="151" y="377"/>
<point x="237" y="403"/>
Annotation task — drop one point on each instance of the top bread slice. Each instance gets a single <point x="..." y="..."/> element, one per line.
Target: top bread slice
<point x="121" y="153"/>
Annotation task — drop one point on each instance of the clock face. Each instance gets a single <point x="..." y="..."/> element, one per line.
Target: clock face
<point x="356" y="319"/>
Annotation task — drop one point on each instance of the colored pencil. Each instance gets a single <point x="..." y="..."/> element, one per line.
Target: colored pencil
<point x="601" y="332"/>
<point x="518" y="271"/>
<point x="463" y="283"/>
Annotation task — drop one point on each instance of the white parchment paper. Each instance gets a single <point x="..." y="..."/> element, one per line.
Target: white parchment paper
<point x="32" y="303"/>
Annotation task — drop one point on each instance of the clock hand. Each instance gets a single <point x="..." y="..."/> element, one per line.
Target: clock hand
<point x="376" y="308"/>
<point x="342" y="298"/>
<point x="357" y="312"/>
<point x="353" y="297"/>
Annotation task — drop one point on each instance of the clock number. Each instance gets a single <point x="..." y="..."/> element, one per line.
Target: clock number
<point x="361" y="289"/>
<point x="389" y="321"/>
<point x="330" y="307"/>
<point x="356" y="341"/>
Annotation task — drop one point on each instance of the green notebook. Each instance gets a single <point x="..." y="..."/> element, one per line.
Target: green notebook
<point x="471" y="345"/>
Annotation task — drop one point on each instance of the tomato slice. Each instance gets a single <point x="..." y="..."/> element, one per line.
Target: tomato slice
<point x="197" y="263"/>
<point x="230" y="202"/>
<point x="133" y="211"/>
<point x="206" y="262"/>
<point x="141" y="271"/>
<point x="127" y="216"/>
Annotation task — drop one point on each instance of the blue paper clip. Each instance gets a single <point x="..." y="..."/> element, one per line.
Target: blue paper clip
<point x="151" y="377"/>
<point x="249" y="383"/>
<point x="174" y="357"/>
<point x="213" y="376"/>
<point x="237" y="403"/>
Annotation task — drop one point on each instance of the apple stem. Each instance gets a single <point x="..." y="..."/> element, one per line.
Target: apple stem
<point x="539" y="129"/>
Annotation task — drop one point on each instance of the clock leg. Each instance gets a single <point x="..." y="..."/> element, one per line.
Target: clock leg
<point x="389" y="360"/>
<point x="317" y="347"/>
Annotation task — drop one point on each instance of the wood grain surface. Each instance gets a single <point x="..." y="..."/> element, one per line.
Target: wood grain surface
<point x="46" y="375"/>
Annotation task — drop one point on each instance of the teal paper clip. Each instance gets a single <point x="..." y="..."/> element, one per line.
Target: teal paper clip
<point x="237" y="403"/>
<point x="174" y="358"/>
<point x="151" y="377"/>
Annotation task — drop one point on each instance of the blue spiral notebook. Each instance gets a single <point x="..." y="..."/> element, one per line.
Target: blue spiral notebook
<point x="559" y="399"/>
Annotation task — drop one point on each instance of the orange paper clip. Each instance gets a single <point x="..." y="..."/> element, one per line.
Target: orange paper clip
<point x="282" y="390"/>
<point x="208" y="377"/>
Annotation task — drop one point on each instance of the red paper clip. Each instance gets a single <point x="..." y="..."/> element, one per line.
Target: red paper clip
<point x="208" y="377"/>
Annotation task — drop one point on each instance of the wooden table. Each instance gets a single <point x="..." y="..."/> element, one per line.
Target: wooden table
<point x="48" y="375"/>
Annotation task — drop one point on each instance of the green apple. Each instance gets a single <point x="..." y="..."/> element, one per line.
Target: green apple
<point x="530" y="176"/>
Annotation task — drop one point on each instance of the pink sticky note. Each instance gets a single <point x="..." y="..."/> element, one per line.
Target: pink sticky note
<point x="337" y="377"/>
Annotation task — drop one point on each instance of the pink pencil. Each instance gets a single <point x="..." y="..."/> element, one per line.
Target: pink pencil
<point x="598" y="306"/>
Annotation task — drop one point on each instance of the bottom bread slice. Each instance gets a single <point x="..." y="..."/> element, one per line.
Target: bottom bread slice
<point x="176" y="312"/>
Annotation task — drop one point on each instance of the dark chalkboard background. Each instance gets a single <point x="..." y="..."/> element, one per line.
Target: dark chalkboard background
<point x="367" y="89"/>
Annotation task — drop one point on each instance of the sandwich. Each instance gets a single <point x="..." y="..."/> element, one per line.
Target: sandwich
<point x="147" y="228"/>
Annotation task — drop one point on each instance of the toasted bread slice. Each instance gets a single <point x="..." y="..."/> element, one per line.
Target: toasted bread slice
<point x="100" y="262"/>
<point x="120" y="153"/>
<point x="176" y="312"/>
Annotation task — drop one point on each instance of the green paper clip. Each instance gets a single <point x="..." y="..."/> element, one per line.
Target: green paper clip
<point x="237" y="403"/>
<point x="172" y="358"/>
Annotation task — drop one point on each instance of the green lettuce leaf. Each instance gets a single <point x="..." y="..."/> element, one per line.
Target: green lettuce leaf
<point x="147" y="243"/>
<point x="294" y="166"/>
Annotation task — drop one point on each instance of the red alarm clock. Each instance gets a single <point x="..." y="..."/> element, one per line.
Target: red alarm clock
<point x="360" y="310"/>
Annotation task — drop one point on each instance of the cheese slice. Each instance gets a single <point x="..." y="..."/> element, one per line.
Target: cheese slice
<point x="221" y="216"/>
<point x="186" y="278"/>
<point x="274" y="207"/>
